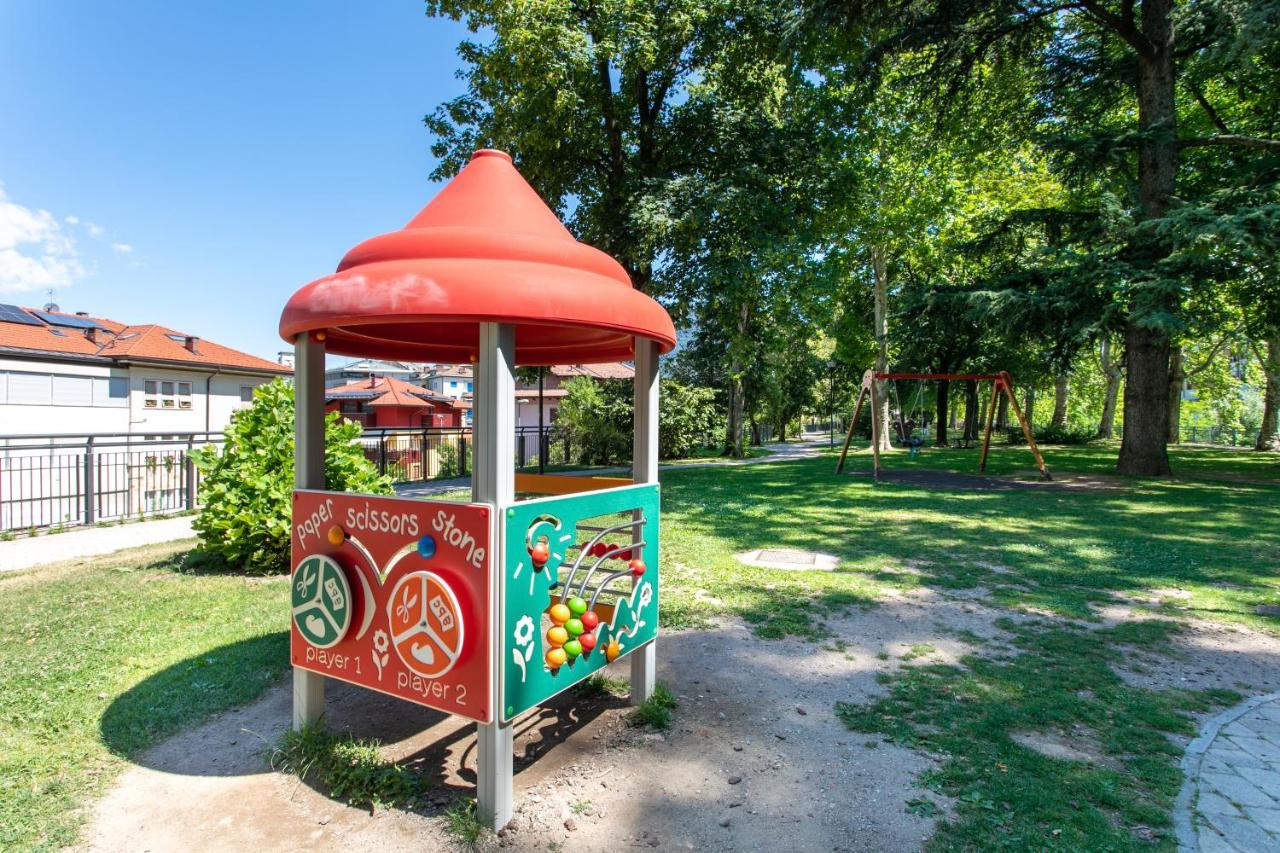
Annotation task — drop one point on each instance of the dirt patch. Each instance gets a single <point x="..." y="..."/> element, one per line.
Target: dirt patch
<point x="1079" y="745"/>
<point x="758" y="711"/>
<point x="982" y="482"/>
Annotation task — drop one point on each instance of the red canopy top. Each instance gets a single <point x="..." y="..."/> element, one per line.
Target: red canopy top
<point x="485" y="250"/>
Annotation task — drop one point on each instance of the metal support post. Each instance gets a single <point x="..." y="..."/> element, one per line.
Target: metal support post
<point x="493" y="482"/>
<point x="644" y="469"/>
<point x="89" y="485"/>
<point x="308" y="473"/>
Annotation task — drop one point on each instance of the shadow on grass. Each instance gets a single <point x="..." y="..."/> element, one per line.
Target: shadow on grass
<point x="1055" y="549"/>
<point x="191" y="690"/>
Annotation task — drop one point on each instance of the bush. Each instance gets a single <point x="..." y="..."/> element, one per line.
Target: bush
<point x="1054" y="435"/>
<point x="246" y="489"/>
<point x="686" y="415"/>
<point x="597" y="416"/>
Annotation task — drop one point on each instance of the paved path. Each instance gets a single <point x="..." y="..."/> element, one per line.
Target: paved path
<point x="1230" y="801"/>
<point x="778" y="453"/>
<point x="90" y="541"/>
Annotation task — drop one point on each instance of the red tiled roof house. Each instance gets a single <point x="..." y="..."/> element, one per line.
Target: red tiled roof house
<point x="384" y="401"/>
<point x="66" y="373"/>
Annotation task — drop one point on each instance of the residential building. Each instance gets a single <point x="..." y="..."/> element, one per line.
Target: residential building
<point x="450" y="380"/>
<point x="554" y="379"/>
<point x="365" y="368"/>
<point x="110" y="410"/>
<point x="66" y="373"/>
<point x="386" y="401"/>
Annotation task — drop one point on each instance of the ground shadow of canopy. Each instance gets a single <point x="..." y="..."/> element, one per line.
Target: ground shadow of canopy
<point x="249" y="677"/>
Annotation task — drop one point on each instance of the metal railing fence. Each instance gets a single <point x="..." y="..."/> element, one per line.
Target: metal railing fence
<point x="53" y="481"/>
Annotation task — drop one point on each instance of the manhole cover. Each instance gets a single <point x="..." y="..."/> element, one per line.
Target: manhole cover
<point x="800" y="558"/>
<point x="789" y="558"/>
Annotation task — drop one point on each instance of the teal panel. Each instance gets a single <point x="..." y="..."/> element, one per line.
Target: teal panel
<point x="530" y="593"/>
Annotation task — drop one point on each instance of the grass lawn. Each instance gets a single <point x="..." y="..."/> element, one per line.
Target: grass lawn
<point x="1210" y="534"/>
<point x="102" y="660"/>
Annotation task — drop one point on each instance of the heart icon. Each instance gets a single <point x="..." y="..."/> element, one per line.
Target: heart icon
<point x="316" y="625"/>
<point x="424" y="654"/>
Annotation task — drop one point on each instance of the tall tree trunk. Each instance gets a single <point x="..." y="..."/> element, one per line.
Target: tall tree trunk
<point x="1002" y="414"/>
<point x="1061" y="386"/>
<point x="1111" y="370"/>
<point x="755" y="432"/>
<point x="940" y="440"/>
<point x="1269" y="435"/>
<point x="1029" y="407"/>
<point x="737" y="399"/>
<point x="733" y="431"/>
<point x="1146" y="388"/>
<point x="970" y="410"/>
<point x="880" y="290"/>
<point x="1177" y="378"/>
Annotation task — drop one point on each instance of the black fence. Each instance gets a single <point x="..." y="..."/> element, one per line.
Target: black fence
<point x="53" y="481"/>
<point x="421" y="454"/>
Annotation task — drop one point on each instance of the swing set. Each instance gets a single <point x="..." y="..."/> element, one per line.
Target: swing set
<point x="1000" y="383"/>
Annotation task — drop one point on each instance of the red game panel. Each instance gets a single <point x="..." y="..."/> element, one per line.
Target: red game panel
<point x="393" y="594"/>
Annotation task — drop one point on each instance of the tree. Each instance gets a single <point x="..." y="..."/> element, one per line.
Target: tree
<point x="247" y="488"/>
<point x="588" y="98"/>
<point x="1110" y="104"/>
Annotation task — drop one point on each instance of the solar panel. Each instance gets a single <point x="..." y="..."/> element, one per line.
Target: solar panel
<point x="67" y="321"/>
<point x="14" y="314"/>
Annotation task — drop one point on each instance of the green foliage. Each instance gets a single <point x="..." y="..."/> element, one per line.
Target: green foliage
<point x="447" y="454"/>
<point x="1054" y="435"/>
<point x="352" y="769"/>
<point x="464" y="827"/>
<point x="597" y="416"/>
<point x="246" y="489"/>
<point x="600" y="685"/>
<point x="686" y="417"/>
<point x="655" y="711"/>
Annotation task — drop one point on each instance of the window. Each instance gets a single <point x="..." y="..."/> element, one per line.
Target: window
<point x="246" y="393"/>
<point x="110" y="392"/>
<point x="468" y="387"/>
<point x="166" y="394"/>
<point x="31" y="389"/>
<point x="453" y="383"/>
<point x="72" y="391"/>
<point x="58" y="389"/>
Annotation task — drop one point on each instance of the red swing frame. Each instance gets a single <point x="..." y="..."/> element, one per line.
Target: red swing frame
<point x="1001" y="381"/>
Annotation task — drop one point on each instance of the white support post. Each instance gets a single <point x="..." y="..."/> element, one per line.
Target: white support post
<point x="644" y="469"/>
<point x="308" y="473"/>
<point x="493" y="482"/>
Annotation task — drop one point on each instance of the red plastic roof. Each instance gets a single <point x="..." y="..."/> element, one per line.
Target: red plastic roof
<point x="486" y="249"/>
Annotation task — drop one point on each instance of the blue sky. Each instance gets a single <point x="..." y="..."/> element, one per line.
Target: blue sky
<point x="192" y="164"/>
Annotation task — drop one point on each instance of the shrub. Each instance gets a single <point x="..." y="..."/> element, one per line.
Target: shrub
<point x="597" y="416"/>
<point x="686" y="415"/>
<point x="1054" y="435"/>
<point x="246" y="488"/>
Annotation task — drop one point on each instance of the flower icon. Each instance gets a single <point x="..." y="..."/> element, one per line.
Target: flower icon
<point x="379" y="655"/>
<point x="523" y="632"/>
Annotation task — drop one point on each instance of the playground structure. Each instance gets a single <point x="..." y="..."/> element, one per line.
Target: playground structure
<point x="1000" y="382"/>
<point x="482" y="609"/>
